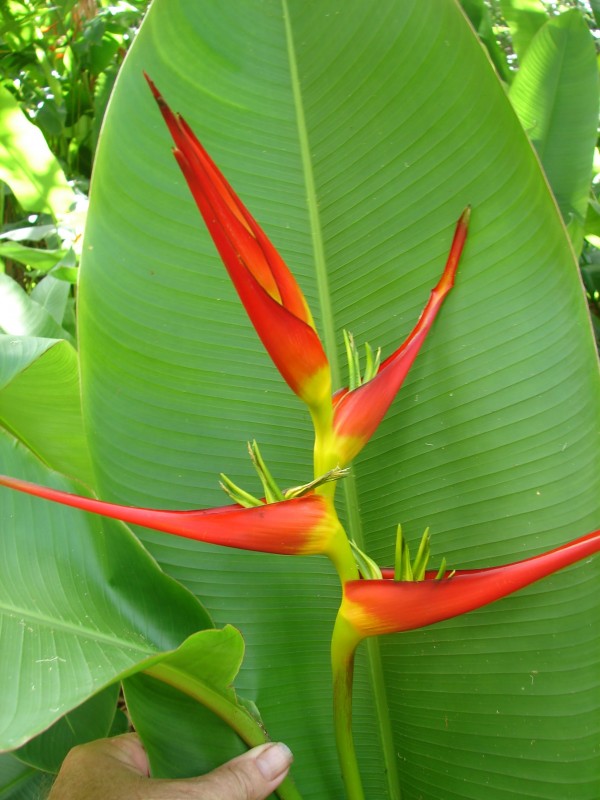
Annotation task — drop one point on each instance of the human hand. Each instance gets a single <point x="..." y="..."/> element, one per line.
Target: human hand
<point x="117" y="769"/>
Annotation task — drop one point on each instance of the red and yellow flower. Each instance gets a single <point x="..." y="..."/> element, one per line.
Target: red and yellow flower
<point x="268" y="290"/>
<point x="300" y="526"/>
<point x="374" y="607"/>
<point x="279" y="312"/>
<point x="357" y="413"/>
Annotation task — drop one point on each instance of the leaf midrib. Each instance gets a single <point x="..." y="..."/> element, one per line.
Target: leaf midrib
<point x="25" y="615"/>
<point x="354" y="523"/>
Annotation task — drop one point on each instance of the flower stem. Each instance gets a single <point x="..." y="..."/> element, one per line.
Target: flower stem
<point x="343" y="646"/>
<point x="342" y="556"/>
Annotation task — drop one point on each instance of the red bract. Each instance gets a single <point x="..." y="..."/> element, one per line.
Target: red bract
<point x="301" y="526"/>
<point x="280" y="314"/>
<point x="268" y="290"/>
<point x="373" y="607"/>
<point x="358" y="413"/>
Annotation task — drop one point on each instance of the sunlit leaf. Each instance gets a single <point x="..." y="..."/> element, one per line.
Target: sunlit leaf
<point x="555" y="94"/>
<point x="26" y="163"/>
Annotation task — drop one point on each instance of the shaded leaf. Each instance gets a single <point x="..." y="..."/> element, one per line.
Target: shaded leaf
<point x="92" y="720"/>
<point x="20" y="782"/>
<point x="20" y="315"/>
<point x="555" y="94"/>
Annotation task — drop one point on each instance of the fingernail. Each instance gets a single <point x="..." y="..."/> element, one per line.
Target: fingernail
<point x="274" y="760"/>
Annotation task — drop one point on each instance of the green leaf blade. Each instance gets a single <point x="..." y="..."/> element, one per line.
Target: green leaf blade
<point x="74" y="614"/>
<point x="368" y="168"/>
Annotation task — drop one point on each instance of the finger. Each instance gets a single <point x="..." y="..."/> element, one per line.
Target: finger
<point x="251" y="776"/>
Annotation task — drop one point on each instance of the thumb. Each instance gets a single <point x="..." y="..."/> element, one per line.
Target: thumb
<point x="251" y="776"/>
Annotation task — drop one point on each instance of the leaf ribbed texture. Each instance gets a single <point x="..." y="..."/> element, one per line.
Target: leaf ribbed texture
<point x="357" y="133"/>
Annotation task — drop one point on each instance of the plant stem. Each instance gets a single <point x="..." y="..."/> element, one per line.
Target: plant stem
<point x="235" y="715"/>
<point x="340" y="553"/>
<point x="343" y="646"/>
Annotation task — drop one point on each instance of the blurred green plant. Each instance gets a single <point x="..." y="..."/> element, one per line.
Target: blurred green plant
<point x="546" y="53"/>
<point x="61" y="61"/>
<point x="58" y="64"/>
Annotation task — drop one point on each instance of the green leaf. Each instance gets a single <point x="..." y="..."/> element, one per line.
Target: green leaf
<point x="53" y="295"/>
<point x="357" y="138"/>
<point x="40" y="402"/>
<point x="214" y="655"/>
<point x="31" y="256"/>
<point x="21" y="315"/>
<point x="525" y="18"/>
<point x="75" y="614"/>
<point x="182" y="739"/>
<point x="188" y="738"/>
<point x="27" y="164"/>
<point x="92" y="720"/>
<point x="481" y="19"/>
<point x="555" y="94"/>
<point x="20" y="782"/>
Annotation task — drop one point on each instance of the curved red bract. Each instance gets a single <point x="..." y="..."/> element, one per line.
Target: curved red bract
<point x="373" y="607"/>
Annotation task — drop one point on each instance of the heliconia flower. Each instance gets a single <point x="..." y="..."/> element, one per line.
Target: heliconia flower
<point x="357" y="413"/>
<point x="373" y="607"/>
<point x="301" y="526"/>
<point x="268" y="290"/>
<point x="280" y="314"/>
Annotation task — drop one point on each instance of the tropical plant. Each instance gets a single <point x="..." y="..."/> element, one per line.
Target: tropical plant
<point x="546" y="54"/>
<point x="358" y="168"/>
<point x="57" y="68"/>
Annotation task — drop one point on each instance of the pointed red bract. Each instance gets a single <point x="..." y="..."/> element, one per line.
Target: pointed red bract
<point x="268" y="290"/>
<point x="373" y="607"/>
<point x="357" y="413"/>
<point x="300" y="526"/>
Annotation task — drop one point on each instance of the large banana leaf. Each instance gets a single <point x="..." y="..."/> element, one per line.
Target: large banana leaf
<point x="357" y="133"/>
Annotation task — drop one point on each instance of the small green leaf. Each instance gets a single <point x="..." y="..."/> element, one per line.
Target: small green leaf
<point x="40" y="259"/>
<point x="40" y="402"/>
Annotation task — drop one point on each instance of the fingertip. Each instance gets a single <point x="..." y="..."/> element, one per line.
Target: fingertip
<point x="274" y="760"/>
